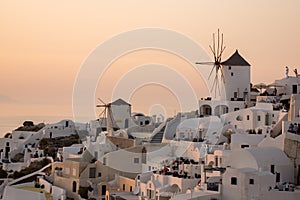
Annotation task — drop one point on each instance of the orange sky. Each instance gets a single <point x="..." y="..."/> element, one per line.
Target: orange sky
<point x="43" y="44"/>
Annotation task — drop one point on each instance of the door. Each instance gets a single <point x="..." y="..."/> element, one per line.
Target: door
<point x="74" y="186"/>
<point x="294" y="89"/>
<point x="103" y="189"/>
<point x="277" y="177"/>
<point x="126" y="123"/>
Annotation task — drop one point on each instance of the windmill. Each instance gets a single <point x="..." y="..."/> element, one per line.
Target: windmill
<point x="217" y="50"/>
<point x="107" y="115"/>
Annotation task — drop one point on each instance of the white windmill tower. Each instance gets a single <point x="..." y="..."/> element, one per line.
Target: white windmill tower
<point x="234" y="73"/>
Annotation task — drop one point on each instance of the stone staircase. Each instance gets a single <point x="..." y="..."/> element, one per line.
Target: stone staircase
<point x="157" y="138"/>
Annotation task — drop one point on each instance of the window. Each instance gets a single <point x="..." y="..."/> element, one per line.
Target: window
<point x="67" y="170"/>
<point x="235" y="94"/>
<point x="149" y="168"/>
<point x="74" y="172"/>
<point x="136" y="160"/>
<point x="258" y="118"/>
<point x="273" y="169"/>
<point x="233" y="181"/>
<point x="231" y="73"/>
<point x="104" y="161"/>
<point x="244" y="146"/>
<point x="92" y="172"/>
<point x="229" y="67"/>
<point x="248" y="117"/>
<point x="226" y="109"/>
<point x="99" y="174"/>
<point x="130" y="188"/>
<point x="251" y="181"/>
<point x="124" y="187"/>
<point x="235" y="109"/>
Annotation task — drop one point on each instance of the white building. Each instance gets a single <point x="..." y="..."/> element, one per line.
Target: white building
<point x="236" y="94"/>
<point x="121" y="112"/>
<point x="261" y="118"/>
<point x="253" y="172"/>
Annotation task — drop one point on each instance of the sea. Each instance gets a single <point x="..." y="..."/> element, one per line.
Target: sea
<point x="9" y="123"/>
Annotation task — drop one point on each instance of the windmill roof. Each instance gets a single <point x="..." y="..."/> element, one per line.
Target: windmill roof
<point x="120" y="102"/>
<point x="236" y="60"/>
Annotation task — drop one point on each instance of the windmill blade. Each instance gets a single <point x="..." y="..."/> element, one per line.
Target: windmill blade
<point x="222" y="73"/>
<point x="112" y="120"/>
<point x="222" y="50"/>
<point x="213" y="52"/>
<point x="101" y="101"/>
<point x="102" y="106"/>
<point x="101" y="118"/>
<point x="101" y="113"/>
<point x="218" y="51"/>
<point x="218" y="84"/>
<point x="221" y="46"/>
<point x="213" y="85"/>
<point x="211" y="71"/>
<point x="214" y="47"/>
<point x="205" y="63"/>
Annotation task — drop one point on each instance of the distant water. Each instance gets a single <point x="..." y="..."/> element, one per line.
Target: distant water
<point x="9" y="123"/>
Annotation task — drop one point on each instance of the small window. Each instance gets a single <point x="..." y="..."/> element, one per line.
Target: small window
<point x="251" y="181"/>
<point x="244" y="146"/>
<point x="136" y="160"/>
<point x="99" y="174"/>
<point x="130" y="188"/>
<point x="235" y="109"/>
<point x="231" y="73"/>
<point x="272" y="115"/>
<point x="229" y="67"/>
<point x="235" y="94"/>
<point x="74" y="172"/>
<point x="149" y="168"/>
<point x="273" y="169"/>
<point x="258" y="118"/>
<point x="104" y="161"/>
<point x="248" y="117"/>
<point x="92" y="172"/>
<point x="124" y="187"/>
<point x="233" y="181"/>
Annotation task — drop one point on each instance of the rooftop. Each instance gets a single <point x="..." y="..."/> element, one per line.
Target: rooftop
<point x="236" y="60"/>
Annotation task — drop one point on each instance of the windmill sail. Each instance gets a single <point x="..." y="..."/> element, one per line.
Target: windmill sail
<point x="217" y="50"/>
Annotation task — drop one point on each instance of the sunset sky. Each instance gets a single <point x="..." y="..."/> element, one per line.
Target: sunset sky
<point x="44" y="43"/>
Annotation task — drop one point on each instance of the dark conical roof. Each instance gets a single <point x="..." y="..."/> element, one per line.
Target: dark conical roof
<point x="236" y="60"/>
